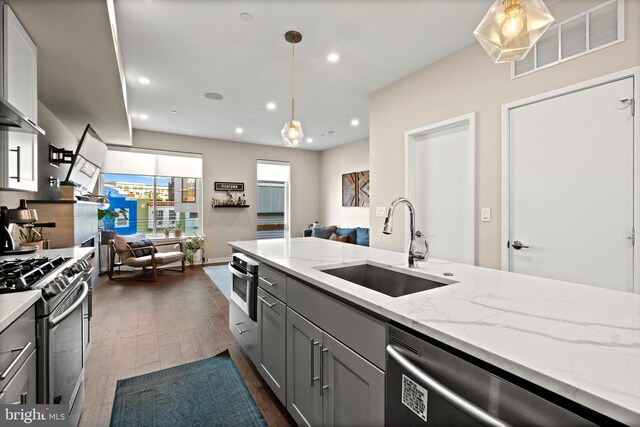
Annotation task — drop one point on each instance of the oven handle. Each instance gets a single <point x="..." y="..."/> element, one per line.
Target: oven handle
<point x="13" y="363"/>
<point x="454" y="399"/>
<point x="239" y="274"/>
<point x="56" y="320"/>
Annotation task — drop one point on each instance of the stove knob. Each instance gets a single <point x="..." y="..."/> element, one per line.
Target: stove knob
<point x="48" y="291"/>
<point x="68" y="272"/>
<point x="60" y="283"/>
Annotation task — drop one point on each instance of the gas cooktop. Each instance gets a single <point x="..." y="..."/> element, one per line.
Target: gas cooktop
<point x="23" y="274"/>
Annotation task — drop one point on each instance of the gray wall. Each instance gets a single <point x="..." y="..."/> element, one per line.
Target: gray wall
<point x="236" y="162"/>
<point x="459" y="84"/>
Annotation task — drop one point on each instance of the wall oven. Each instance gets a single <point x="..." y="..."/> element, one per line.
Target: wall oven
<point x="244" y="289"/>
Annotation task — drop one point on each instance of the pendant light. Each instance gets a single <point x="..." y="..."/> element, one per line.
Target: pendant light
<point x="292" y="131"/>
<point x="511" y="28"/>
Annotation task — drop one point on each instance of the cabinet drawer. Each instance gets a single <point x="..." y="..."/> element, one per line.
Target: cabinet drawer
<point x="273" y="282"/>
<point x="22" y="387"/>
<point x="245" y="330"/>
<point x="363" y="333"/>
<point x="14" y="339"/>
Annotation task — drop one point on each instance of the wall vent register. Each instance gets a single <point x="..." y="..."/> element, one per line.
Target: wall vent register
<point x="592" y="30"/>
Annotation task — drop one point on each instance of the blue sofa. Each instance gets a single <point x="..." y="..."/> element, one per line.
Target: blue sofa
<point x="357" y="235"/>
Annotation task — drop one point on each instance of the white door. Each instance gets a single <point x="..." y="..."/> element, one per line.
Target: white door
<point x="571" y="187"/>
<point x="441" y="160"/>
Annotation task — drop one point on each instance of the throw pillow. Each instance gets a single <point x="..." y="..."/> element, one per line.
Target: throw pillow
<point x="323" y="232"/>
<point x="349" y="232"/>
<point x="142" y="244"/>
<point x="362" y="236"/>
<point x="122" y="245"/>
<point x="337" y="238"/>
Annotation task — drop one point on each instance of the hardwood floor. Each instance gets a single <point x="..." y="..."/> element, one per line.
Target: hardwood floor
<point x="140" y="327"/>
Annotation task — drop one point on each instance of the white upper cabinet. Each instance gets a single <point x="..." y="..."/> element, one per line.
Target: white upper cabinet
<point x="20" y="84"/>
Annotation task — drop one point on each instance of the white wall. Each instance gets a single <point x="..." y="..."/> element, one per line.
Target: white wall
<point x="461" y="83"/>
<point x="236" y="162"/>
<point x="352" y="157"/>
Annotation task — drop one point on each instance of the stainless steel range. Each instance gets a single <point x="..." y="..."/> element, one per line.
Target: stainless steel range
<point x="60" y="312"/>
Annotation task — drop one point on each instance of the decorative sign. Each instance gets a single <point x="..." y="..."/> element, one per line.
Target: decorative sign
<point x="229" y="186"/>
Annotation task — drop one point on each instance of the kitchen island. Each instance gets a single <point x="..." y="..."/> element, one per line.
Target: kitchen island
<point x="580" y="342"/>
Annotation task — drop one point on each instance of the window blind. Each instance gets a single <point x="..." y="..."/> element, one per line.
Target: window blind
<point x="133" y="161"/>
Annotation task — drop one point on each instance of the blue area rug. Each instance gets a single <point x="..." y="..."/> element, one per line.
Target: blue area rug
<point x="208" y="392"/>
<point x="221" y="276"/>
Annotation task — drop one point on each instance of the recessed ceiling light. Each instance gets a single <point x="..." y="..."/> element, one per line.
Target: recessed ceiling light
<point x="143" y="116"/>
<point x="271" y="106"/>
<point x="239" y="130"/>
<point x="174" y="112"/>
<point x="309" y="140"/>
<point x="214" y="96"/>
<point x="246" y="17"/>
<point x="355" y="122"/>
<point x="143" y="80"/>
<point x="333" y="57"/>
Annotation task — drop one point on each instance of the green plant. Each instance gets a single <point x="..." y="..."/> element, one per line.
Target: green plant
<point x="191" y="245"/>
<point x="178" y="225"/>
<point x="30" y="235"/>
<point x="166" y="229"/>
<point x="108" y="217"/>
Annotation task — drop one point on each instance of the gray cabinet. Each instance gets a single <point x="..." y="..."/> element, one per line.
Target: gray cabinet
<point x="272" y="335"/>
<point x="353" y="392"/>
<point x="304" y="401"/>
<point x="329" y="384"/>
<point x="244" y="330"/>
<point x="18" y="154"/>
<point x="18" y="360"/>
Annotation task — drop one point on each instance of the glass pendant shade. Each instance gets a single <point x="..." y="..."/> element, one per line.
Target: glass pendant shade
<point x="292" y="134"/>
<point x="511" y="28"/>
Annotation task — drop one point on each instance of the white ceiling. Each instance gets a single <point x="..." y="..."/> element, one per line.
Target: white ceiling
<point x="190" y="47"/>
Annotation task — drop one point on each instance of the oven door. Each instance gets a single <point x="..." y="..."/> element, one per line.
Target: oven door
<point x="243" y="290"/>
<point x="66" y="368"/>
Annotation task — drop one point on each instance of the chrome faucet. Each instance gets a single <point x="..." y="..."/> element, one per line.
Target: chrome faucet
<point x="414" y="255"/>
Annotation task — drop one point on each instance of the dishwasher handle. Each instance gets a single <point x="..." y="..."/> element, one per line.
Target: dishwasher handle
<point x="454" y="399"/>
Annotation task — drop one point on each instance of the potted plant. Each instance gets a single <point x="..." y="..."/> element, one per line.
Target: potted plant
<point x="67" y="191"/>
<point x="108" y="217"/>
<point x="177" y="231"/>
<point x="191" y="245"/>
<point x="166" y="230"/>
<point x="31" y="237"/>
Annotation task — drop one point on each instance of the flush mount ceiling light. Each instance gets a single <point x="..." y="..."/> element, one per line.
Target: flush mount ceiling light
<point x="292" y="131"/>
<point x="144" y="80"/>
<point x="333" y="57"/>
<point x="239" y="130"/>
<point x="271" y="106"/>
<point x="511" y="28"/>
<point x="355" y="122"/>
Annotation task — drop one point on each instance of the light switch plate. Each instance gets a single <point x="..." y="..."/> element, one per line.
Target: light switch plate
<point x="485" y="214"/>
<point x="381" y="212"/>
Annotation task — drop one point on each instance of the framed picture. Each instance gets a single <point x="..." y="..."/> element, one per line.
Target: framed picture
<point x="363" y="188"/>
<point x="228" y="186"/>
<point x="188" y="190"/>
<point x="349" y="189"/>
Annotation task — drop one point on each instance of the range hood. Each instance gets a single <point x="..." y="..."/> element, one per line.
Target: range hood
<point x="11" y="119"/>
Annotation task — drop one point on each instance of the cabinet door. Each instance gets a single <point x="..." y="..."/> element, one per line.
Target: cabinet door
<point x="244" y="330"/>
<point x="353" y="389"/>
<point x="272" y="337"/>
<point x="303" y="370"/>
<point x="21" y="90"/>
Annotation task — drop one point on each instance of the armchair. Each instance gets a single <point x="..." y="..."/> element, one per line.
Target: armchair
<point x="147" y="255"/>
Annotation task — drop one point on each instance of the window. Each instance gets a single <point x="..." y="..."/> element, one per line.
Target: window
<point x="153" y="202"/>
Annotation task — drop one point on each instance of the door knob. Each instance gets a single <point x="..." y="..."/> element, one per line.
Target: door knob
<point x="518" y="245"/>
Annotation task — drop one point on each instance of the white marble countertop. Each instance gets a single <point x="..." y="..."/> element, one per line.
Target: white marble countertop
<point x="578" y="341"/>
<point x="12" y="305"/>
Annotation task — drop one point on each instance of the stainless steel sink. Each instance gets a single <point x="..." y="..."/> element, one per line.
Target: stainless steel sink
<point x="380" y="279"/>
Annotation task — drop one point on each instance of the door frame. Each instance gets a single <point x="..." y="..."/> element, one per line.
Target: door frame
<point x="409" y="177"/>
<point x="598" y="81"/>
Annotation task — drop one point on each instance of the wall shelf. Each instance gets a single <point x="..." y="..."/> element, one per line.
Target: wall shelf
<point x="231" y="206"/>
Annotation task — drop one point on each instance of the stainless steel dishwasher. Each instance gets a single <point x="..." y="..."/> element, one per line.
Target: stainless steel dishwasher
<point x="430" y="385"/>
